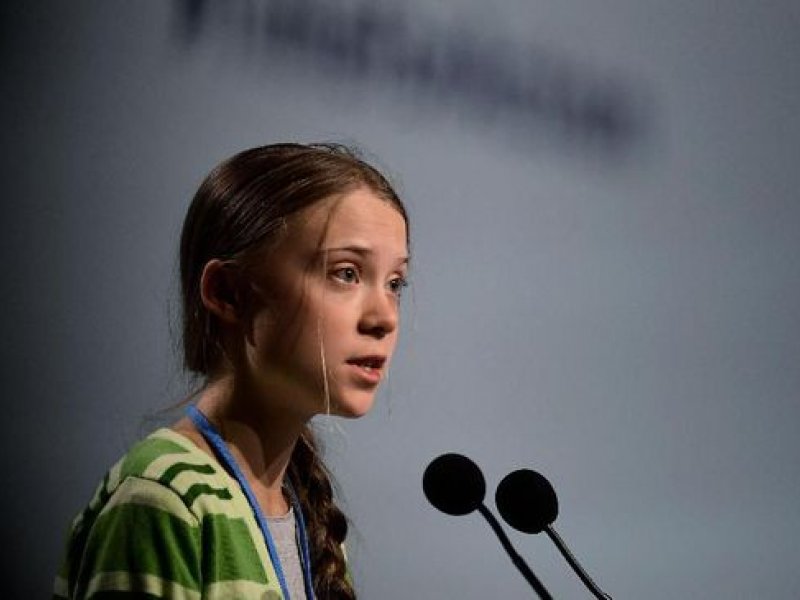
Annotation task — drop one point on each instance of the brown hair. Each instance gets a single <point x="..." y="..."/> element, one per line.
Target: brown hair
<point x="241" y="207"/>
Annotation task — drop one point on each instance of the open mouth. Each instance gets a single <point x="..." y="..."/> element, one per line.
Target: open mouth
<point x="368" y="363"/>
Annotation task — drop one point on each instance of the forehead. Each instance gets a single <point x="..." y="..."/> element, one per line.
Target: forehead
<point x="359" y="216"/>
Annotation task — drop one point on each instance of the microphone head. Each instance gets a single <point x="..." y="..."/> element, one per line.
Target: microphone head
<point x="454" y="484"/>
<point x="526" y="501"/>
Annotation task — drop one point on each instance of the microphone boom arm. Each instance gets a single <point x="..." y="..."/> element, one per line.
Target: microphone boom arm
<point x="515" y="557"/>
<point x="573" y="562"/>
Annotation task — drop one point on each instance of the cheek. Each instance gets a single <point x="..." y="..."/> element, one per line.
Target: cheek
<point x="299" y="333"/>
<point x="279" y="317"/>
<point x="296" y="326"/>
<point x="337" y="321"/>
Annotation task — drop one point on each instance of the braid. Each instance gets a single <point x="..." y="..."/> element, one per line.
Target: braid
<point x="326" y="524"/>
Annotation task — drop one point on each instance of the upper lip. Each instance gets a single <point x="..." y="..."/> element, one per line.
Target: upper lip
<point x="376" y="361"/>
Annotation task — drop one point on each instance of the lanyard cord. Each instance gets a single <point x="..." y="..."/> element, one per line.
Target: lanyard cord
<point x="224" y="455"/>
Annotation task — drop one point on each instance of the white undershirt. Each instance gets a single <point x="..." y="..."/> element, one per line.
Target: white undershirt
<point x="284" y="533"/>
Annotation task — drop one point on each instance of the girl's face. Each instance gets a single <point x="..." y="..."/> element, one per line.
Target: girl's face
<point x="327" y="301"/>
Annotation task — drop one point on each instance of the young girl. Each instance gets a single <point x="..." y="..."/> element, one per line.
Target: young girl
<point x="292" y="262"/>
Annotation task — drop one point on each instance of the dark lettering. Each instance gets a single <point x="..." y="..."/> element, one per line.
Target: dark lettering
<point x="499" y="78"/>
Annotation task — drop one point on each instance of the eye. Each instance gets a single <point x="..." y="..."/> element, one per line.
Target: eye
<point x="346" y="274"/>
<point x="397" y="284"/>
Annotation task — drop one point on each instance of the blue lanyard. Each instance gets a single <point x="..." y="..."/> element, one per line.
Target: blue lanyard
<point x="215" y="440"/>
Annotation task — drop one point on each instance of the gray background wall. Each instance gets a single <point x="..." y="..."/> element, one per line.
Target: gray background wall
<point x="613" y="303"/>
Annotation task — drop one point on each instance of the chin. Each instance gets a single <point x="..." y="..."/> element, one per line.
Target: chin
<point x="353" y="406"/>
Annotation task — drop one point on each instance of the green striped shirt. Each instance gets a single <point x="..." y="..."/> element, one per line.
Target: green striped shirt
<point x="166" y="522"/>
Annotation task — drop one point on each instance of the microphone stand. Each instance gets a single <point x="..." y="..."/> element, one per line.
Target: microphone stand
<point x="515" y="557"/>
<point x="573" y="562"/>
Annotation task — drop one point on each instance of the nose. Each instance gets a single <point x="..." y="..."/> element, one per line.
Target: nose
<point x="379" y="315"/>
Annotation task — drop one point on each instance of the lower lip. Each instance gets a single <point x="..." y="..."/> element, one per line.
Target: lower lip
<point x="370" y="376"/>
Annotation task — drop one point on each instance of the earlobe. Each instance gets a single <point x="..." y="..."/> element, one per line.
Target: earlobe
<point x="219" y="291"/>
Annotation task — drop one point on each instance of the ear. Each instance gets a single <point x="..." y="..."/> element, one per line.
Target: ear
<point x="219" y="290"/>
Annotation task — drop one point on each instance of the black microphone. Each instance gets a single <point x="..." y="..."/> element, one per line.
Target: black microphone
<point x="528" y="503"/>
<point x="455" y="485"/>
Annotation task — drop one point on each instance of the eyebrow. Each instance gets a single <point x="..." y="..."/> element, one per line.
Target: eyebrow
<point x="360" y="250"/>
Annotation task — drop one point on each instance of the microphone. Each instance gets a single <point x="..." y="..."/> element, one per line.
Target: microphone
<point x="455" y="485"/>
<point x="528" y="502"/>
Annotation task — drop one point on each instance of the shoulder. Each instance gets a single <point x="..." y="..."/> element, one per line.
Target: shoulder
<point x="164" y="464"/>
<point x="135" y="503"/>
<point x="168" y="468"/>
<point x="147" y="518"/>
<point x="161" y="482"/>
<point x="159" y="455"/>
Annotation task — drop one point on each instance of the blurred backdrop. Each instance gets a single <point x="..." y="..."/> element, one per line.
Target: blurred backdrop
<point x="606" y="273"/>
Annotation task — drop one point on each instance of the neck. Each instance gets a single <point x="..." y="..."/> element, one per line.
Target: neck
<point x="260" y="439"/>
